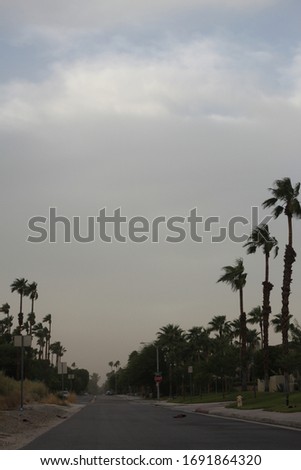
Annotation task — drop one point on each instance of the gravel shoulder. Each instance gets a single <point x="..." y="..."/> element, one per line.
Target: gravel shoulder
<point x="18" y="428"/>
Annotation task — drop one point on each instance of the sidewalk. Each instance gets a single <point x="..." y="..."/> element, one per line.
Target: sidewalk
<point x="292" y="420"/>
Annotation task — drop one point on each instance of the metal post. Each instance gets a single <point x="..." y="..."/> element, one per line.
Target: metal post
<point x="22" y="372"/>
<point x="158" y="370"/>
<point x="62" y="377"/>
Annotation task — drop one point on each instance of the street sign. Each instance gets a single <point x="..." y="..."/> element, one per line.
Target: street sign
<point x="22" y="340"/>
<point x="158" y="378"/>
<point x="62" y="368"/>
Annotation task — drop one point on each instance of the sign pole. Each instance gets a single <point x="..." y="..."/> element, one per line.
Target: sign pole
<point x="22" y="373"/>
<point x="22" y="341"/>
<point x="157" y="383"/>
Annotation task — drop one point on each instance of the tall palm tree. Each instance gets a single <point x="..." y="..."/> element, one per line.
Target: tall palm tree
<point x="41" y="333"/>
<point x="261" y="238"/>
<point x="285" y="200"/>
<point x="32" y="293"/>
<point x="171" y="341"/>
<point x="58" y="350"/>
<point x="20" y="286"/>
<point x="48" y="319"/>
<point x="235" y="276"/>
<point x="31" y="318"/>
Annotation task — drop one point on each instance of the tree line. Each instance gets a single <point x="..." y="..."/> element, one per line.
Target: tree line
<point x="42" y="358"/>
<point x="232" y="353"/>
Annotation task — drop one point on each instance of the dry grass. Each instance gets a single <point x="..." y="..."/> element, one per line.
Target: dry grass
<point x="42" y="410"/>
<point x="53" y="399"/>
<point x="34" y="391"/>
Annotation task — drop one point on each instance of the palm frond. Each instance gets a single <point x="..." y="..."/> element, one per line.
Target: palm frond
<point x="277" y="211"/>
<point x="234" y="275"/>
<point x="269" y="202"/>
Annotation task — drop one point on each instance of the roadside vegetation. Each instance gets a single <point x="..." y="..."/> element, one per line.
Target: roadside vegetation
<point x="250" y="400"/>
<point x="34" y="392"/>
<point x="225" y="356"/>
<point x="41" y="357"/>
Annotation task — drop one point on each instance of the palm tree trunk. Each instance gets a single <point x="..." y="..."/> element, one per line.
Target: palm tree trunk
<point x="243" y="335"/>
<point x="266" y="310"/>
<point x="20" y="316"/>
<point x="49" y="340"/>
<point x="289" y="259"/>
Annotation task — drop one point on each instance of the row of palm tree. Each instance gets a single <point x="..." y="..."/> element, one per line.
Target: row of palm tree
<point x="24" y="289"/>
<point x="212" y="352"/>
<point x="285" y="201"/>
<point x="42" y="333"/>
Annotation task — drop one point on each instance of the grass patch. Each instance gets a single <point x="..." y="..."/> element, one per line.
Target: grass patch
<point x="206" y="398"/>
<point x="266" y="401"/>
<point x="271" y="402"/>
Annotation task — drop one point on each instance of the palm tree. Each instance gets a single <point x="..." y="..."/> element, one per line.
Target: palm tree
<point x="285" y="200"/>
<point x="261" y="238"/>
<point x="171" y="341"/>
<point x="31" y="318"/>
<point x="5" y="309"/>
<point x="256" y="318"/>
<point x="253" y="340"/>
<point x="20" y="286"/>
<point x="32" y="293"/>
<point x="220" y="324"/>
<point x="236" y="276"/>
<point x="41" y="333"/>
<point x="277" y="322"/>
<point x="296" y="332"/>
<point x="199" y="342"/>
<point x="235" y="328"/>
<point x="58" y="350"/>
<point x="48" y="319"/>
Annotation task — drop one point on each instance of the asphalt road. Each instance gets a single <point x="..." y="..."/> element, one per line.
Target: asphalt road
<point x="116" y="423"/>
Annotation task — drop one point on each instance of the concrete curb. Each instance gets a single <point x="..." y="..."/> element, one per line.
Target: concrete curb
<point x="290" y="420"/>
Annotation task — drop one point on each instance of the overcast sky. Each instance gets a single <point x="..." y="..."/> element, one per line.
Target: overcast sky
<point x="155" y="108"/>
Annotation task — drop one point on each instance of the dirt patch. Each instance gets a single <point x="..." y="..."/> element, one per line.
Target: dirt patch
<point x="18" y="428"/>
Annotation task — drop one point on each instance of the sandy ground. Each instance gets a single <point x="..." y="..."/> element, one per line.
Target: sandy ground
<point x="18" y="428"/>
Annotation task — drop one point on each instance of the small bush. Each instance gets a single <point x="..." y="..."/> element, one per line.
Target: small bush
<point x="34" y="391"/>
<point x="7" y="385"/>
<point x="10" y="392"/>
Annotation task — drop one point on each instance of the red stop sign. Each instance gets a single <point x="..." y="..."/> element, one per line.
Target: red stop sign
<point x="158" y="378"/>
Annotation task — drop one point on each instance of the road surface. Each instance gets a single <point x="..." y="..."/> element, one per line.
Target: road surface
<point x="116" y="423"/>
